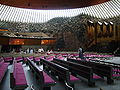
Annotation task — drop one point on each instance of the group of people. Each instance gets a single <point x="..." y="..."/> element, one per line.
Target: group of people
<point x="40" y="50"/>
<point x="27" y="51"/>
<point x="31" y="51"/>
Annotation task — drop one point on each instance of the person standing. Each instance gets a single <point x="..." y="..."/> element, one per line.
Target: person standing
<point x="31" y="51"/>
<point x="28" y="51"/>
<point x="80" y="50"/>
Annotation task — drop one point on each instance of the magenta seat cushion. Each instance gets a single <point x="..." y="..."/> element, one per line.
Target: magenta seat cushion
<point x="41" y="57"/>
<point x="96" y="77"/>
<point x="61" y="57"/>
<point x="1" y="75"/>
<point x="20" y="79"/>
<point x="72" y="78"/>
<point x="116" y="70"/>
<point x="19" y="58"/>
<point x="3" y="69"/>
<point x="4" y="66"/>
<point x="30" y="57"/>
<point x="1" y="62"/>
<point x="37" y="58"/>
<point x="50" y="58"/>
<point x="25" y="58"/>
<point x="47" y="79"/>
<point x="116" y="75"/>
<point x="19" y="74"/>
<point x="8" y="58"/>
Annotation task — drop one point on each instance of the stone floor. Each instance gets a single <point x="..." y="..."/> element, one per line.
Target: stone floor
<point x="81" y="85"/>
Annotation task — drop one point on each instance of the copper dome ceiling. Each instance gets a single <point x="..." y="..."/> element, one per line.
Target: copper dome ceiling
<point x="51" y="4"/>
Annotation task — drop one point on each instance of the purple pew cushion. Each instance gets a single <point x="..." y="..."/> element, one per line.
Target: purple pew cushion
<point x="116" y="70"/>
<point x="96" y="77"/>
<point x="116" y="75"/>
<point x="50" y="58"/>
<point x="20" y="79"/>
<point x="37" y="59"/>
<point x="1" y="74"/>
<point x="4" y="66"/>
<point x="1" y="62"/>
<point x="61" y="57"/>
<point x="17" y="58"/>
<point x="8" y="58"/>
<point x="30" y="57"/>
<point x="72" y="78"/>
<point x="78" y="58"/>
<point x="19" y="74"/>
<point x="25" y="59"/>
<point x="3" y="69"/>
<point x="42" y="57"/>
<point x="47" y="79"/>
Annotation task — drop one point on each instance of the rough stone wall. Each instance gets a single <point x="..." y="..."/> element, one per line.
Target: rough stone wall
<point x="71" y="31"/>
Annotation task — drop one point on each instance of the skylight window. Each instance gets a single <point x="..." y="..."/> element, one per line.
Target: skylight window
<point x="105" y="10"/>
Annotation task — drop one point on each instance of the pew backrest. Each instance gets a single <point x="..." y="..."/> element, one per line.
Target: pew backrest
<point x="17" y="77"/>
<point x="61" y="72"/>
<point x="44" y="79"/>
<point x="81" y="70"/>
<point x="101" y="70"/>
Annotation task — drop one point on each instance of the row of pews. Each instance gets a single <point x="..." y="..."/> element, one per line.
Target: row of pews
<point x="3" y="68"/>
<point x="101" y="70"/>
<point x="74" y="68"/>
<point x="88" y="70"/>
<point x="70" y="71"/>
<point x="115" y="66"/>
<point x="61" y="72"/>
<point x="45" y="81"/>
<point x="17" y="77"/>
<point x="77" y="69"/>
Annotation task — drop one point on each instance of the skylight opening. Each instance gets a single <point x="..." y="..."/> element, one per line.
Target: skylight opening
<point x="14" y="14"/>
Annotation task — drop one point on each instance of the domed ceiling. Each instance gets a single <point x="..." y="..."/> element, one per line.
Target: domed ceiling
<point x="104" y="10"/>
<point x="51" y="4"/>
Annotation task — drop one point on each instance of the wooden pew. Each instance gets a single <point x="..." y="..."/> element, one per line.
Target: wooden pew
<point x="17" y="77"/>
<point x="62" y="72"/>
<point x="25" y="60"/>
<point x="78" y="69"/>
<point x="19" y="59"/>
<point x="36" y="60"/>
<point x="31" y="57"/>
<point x="101" y="70"/>
<point x="9" y="59"/>
<point x="45" y="81"/>
<point x="3" y="68"/>
<point x="115" y="66"/>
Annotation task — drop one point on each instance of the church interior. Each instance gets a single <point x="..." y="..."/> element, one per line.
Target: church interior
<point x="59" y="45"/>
